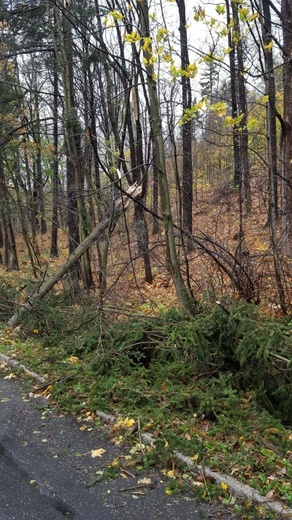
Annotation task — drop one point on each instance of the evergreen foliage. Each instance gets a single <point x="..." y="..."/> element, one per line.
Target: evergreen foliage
<point x="205" y="361"/>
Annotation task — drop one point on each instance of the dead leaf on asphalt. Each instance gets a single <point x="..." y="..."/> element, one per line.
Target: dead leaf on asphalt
<point x="97" y="453"/>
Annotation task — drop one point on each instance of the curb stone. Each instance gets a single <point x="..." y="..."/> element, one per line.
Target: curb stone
<point x="240" y="489"/>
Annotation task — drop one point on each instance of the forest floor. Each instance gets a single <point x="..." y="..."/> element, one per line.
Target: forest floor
<point x="187" y="381"/>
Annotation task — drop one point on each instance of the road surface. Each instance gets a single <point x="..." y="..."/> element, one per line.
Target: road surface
<point x="46" y="467"/>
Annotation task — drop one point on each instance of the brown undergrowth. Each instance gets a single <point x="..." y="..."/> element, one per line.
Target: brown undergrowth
<point x="221" y="263"/>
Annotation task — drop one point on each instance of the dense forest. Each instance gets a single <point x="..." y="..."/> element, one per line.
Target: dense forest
<point x="181" y="113"/>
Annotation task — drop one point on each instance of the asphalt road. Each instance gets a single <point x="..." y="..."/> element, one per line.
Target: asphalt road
<point x="46" y="466"/>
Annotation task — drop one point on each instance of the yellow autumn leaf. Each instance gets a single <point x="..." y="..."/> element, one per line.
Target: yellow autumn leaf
<point x="97" y="453"/>
<point x="168" y="491"/>
<point x="129" y="422"/>
<point x="269" y="46"/>
<point x="253" y="17"/>
<point x="147" y="41"/>
<point x="153" y="60"/>
<point x="220" y="108"/>
<point x="48" y="390"/>
<point x="10" y="376"/>
<point x="73" y="359"/>
<point x="114" y="462"/>
<point x="132" y="37"/>
<point x="116" y="15"/>
<point x="126" y="423"/>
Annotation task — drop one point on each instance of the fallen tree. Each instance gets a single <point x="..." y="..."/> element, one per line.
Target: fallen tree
<point x="120" y="206"/>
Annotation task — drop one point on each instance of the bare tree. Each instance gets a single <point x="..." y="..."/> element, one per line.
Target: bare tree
<point x="187" y="175"/>
<point x="286" y="13"/>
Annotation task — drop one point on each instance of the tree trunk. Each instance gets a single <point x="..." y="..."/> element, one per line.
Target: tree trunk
<point x="72" y="221"/>
<point x="286" y="11"/>
<point x="242" y="111"/>
<point x="10" y="253"/>
<point x="183" y="294"/>
<point x="54" y="233"/>
<point x="234" y="111"/>
<point x="187" y="176"/>
<point x="140" y="176"/>
<point x="39" y="170"/>
<point x="1" y="240"/>
<point x="271" y="112"/>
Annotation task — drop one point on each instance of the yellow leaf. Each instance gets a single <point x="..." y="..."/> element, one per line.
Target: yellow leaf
<point x="195" y="457"/>
<point x="168" y="491"/>
<point x="129" y="422"/>
<point x="224" y="486"/>
<point x="269" y="46"/>
<point x="132" y="37"/>
<point x="220" y="108"/>
<point x="97" y="453"/>
<point x="10" y="376"/>
<point x="48" y="390"/>
<point x="116" y="15"/>
<point x="114" y="463"/>
<point x="73" y="359"/>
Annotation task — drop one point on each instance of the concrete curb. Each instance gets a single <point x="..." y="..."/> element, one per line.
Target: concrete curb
<point x="240" y="489"/>
<point x="13" y="363"/>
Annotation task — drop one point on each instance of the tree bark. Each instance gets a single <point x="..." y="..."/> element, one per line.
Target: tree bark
<point x="187" y="176"/>
<point x="271" y="112"/>
<point x="234" y="111"/>
<point x="242" y="111"/>
<point x="10" y="252"/>
<point x="286" y="12"/>
<point x="54" y="232"/>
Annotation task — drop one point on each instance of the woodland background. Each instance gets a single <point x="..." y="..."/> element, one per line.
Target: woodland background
<point x="190" y="104"/>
